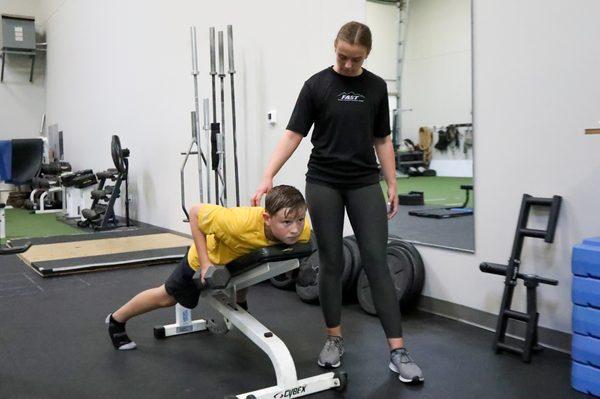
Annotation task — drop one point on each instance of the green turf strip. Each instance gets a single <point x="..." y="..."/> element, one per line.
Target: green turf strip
<point x="22" y="224"/>
<point x="438" y="190"/>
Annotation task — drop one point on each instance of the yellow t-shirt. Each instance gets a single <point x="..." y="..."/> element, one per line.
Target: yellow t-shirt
<point x="233" y="232"/>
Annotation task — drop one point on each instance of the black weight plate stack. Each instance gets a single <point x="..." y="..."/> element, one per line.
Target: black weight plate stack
<point x="401" y="271"/>
<point x="286" y="281"/>
<point x="418" y="270"/>
<point x="118" y="154"/>
<point x="347" y="271"/>
<point x="307" y="282"/>
<point x="350" y="287"/>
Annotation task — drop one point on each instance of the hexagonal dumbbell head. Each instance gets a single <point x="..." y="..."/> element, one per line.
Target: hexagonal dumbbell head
<point x="217" y="277"/>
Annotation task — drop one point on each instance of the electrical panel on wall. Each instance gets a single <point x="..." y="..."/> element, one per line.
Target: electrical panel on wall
<point x="18" y="38"/>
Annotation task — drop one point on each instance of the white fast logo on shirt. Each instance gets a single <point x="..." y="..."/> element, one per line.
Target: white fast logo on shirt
<point x="352" y="97"/>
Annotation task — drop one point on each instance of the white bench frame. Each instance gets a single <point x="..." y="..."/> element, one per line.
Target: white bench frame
<point x="223" y="301"/>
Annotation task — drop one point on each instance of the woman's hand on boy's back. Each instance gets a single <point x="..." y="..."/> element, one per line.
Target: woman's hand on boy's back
<point x="265" y="186"/>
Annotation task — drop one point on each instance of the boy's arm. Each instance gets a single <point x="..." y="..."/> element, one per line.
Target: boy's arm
<point x="199" y="240"/>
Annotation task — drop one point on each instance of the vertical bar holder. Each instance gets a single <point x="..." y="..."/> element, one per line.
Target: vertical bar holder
<point x="530" y="281"/>
<point x="213" y="76"/>
<point x="233" y="116"/>
<point x="532" y="326"/>
<point x="221" y="141"/>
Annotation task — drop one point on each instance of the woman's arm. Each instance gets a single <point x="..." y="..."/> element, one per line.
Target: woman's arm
<point x="284" y="150"/>
<point x="385" y="152"/>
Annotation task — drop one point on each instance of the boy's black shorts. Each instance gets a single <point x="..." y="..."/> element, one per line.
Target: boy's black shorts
<point x="181" y="287"/>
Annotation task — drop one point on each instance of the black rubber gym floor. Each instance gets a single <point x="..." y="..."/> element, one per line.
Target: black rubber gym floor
<point x="456" y="232"/>
<point x="54" y="344"/>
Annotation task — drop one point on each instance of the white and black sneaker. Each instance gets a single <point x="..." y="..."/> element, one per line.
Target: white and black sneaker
<point x="118" y="335"/>
<point x="404" y="365"/>
<point x="332" y="352"/>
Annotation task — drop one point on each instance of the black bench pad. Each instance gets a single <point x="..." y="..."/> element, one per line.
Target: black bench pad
<point x="269" y="254"/>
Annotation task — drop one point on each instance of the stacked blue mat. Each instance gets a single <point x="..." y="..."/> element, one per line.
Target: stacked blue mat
<point x="585" y="372"/>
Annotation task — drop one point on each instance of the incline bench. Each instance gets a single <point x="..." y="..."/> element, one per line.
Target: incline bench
<point x="219" y="294"/>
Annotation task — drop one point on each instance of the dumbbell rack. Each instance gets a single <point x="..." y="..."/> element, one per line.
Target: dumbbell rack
<point x="531" y="281"/>
<point x="102" y="215"/>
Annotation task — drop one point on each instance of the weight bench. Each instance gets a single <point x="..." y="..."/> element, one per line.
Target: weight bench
<point x="47" y="185"/>
<point x="219" y="294"/>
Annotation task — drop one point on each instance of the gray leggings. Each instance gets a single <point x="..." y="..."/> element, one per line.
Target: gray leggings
<point x="367" y="212"/>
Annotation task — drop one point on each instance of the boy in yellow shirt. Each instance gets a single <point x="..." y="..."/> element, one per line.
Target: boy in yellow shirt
<point x="220" y="236"/>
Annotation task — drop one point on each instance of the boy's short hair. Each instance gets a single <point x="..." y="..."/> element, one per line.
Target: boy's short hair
<point x="282" y="197"/>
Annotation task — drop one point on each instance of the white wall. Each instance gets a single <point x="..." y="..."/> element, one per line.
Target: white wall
<point x="535" y="91"/>
<point x="124" y="67"/>
<point x="383" y="21"/>
<point x="436" y="84"/>
<point x="115" y="68"/>
<point x="22" y="103"/>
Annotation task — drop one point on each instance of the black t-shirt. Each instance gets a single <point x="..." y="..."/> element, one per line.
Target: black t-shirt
<point x="348" y="114"/>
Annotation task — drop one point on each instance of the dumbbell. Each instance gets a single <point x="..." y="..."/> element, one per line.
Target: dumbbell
<point x="215" y="277"/>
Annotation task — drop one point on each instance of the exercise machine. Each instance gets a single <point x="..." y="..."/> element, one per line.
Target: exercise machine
<point x="78" y="187"/>
<point x="219" y="294"/>
<point x="196" y="138"/>
<point x="531" y="281"/>
<point x="447" y="212"/>
<point x="45" y="188"/>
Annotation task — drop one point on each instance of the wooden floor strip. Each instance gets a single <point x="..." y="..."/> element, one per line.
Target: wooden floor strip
<point x="80" y="249"/>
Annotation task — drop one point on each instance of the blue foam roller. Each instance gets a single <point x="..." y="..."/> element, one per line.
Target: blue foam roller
<point x="585" y="378"/>
<point x="593" y="241"/>
<point x="586" y="261"/>
<point x="586" y="350"/>
<point x="586" y="291"/>
<point x="586" y="321"/>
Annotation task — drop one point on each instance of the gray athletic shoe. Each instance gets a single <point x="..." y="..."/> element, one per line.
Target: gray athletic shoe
<point x="331" y="355"/>
<point x="404" y="365"/>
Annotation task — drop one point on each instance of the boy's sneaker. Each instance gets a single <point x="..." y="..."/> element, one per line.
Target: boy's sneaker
<point x="118" y="335"/>
<point x="331" y="355"/>
<point x="404" y="365"/>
